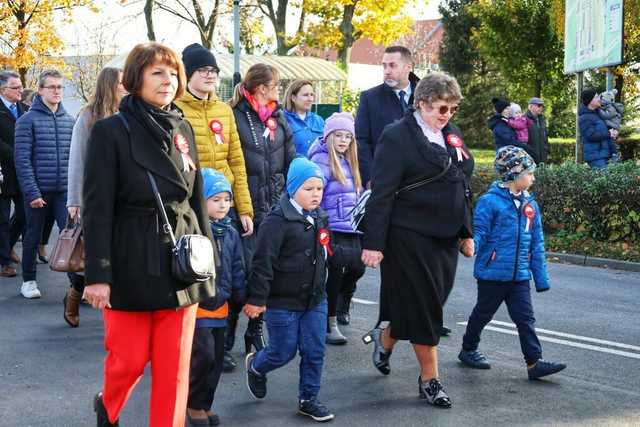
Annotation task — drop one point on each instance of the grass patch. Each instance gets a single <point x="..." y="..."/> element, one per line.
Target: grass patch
<point x="483" y="156"/>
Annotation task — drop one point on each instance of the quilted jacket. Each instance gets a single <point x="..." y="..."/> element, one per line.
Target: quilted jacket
<point x="43" y="140"/>
<point x="508" y="247"/>
<point x="338" y="199"/>
<point x="596" y="140"/>
<point x="227" y="157"/>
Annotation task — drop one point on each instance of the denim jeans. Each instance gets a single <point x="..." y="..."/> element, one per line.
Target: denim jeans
<point x="10" y="230"/>
<point x="291" y="331"/>
<point x="517" y="296"/>
<point x="36" y="218"/>
<point x="598" y="164"/>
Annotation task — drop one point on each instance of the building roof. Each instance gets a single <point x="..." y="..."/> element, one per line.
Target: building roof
<point x="289" y="67"/>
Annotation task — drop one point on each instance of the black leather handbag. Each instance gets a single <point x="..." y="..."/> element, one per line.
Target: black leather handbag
<point x="192" y="254"/>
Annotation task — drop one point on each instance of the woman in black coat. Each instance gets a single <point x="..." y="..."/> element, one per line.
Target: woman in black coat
<point x="268" y="148"/>
<point x="416" y="233"/>
<point x="149" y="316"/>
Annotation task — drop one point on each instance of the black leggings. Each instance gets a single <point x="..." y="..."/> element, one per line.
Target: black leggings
<point x="342" y="278"/>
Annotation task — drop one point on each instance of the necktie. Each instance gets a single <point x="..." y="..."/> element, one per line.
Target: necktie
<point x="403" y="102"/>
<point x="14" y="110"/>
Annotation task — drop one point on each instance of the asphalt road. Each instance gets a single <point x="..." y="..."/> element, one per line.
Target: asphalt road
<point x="49" y="372"/>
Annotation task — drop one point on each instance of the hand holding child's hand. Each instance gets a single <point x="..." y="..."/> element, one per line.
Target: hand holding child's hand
<point x="253" y="311"/>
<point x="467" y="247"/>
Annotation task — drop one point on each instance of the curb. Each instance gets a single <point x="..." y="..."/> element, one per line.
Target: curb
<point x="587" y="261"/>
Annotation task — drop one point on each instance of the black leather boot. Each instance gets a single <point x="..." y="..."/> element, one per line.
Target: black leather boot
<point x="343" y="307"/>
<point x="101" y="413"/>
<point x="254" y="337"/>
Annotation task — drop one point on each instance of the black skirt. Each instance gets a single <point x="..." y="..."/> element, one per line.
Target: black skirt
<point x="417" y="276"/>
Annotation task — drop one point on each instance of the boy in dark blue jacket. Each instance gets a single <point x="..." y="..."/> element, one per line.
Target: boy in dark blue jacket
<point x="287" y="283"/>
<point x="509" y="248"/>
<point x="208" y="340"/>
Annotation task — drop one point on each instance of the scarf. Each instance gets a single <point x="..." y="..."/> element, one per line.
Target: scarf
<point x="219" y="227"/>
<point x="162" y="124"/>
<point x="263" y="111"/>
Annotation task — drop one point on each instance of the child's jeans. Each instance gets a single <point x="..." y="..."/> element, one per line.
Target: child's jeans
<point x="291" y="331"/>
<point x="206" y="367"/>
<point x="517" y="296"/>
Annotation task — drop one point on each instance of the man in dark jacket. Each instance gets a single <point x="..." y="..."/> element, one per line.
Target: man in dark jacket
<point x="503" y="134"/>
<point x="538" y="137"/>
<point x="384" y="104"/>
<point x="11" y="108"/>
<point x="42" y="141"/>
<point x="597" y="138"/>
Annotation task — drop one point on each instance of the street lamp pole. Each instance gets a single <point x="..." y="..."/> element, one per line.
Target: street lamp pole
<point x="236" y="42"/>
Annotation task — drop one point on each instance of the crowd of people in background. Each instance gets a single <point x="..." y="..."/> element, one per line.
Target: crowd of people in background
<point x="272" y="187"/>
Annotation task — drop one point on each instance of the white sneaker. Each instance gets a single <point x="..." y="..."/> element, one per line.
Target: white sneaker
<point x="30" y="289"/>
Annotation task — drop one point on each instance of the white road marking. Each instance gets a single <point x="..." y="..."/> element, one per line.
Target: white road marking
<point x="575" y="337"/>
<point x="566" y="342"/>
<point x="363" y="301"/>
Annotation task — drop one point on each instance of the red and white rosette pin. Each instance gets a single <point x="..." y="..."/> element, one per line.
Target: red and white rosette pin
<point x="270" y="130"/>
<point x="216" y="127"/>
<point x="530" y="213"/>
<point x="325" y="240"/>
<point x="456" y="142"/>
<point x="182" y="145"/>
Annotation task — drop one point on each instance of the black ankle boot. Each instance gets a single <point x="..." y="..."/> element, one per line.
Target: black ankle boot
<point x="101" y="413"/>
<point x="254" y="337"/>
<point x="342" y="309"/>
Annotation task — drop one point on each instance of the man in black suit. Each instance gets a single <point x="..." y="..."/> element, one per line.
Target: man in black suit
<point x="384" y="104"/>
<point x="11" y="108"/>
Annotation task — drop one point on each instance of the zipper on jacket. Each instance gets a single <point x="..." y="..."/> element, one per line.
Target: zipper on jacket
<point x="267" y="159"/>
<point x="515" y="267"/>
<point x="492" y="257"/>
<point x="55" y="127"/>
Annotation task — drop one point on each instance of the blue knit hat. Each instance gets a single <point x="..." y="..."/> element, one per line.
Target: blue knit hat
<point x="512" y="161"/>
<point x="300" y="170"/>
<point x="214" y="183"/>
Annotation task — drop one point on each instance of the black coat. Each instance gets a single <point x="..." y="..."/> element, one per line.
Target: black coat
<point x="441" y="209"/>
<point x="379" y="107"/>
<point x="289" y="266"/>
<point x="7" y="142"/>
<point x="124" y="242"/>
<point x="267" y="162"/>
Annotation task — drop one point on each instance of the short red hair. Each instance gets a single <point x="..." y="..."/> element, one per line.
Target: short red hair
<point x="145" y="55"/>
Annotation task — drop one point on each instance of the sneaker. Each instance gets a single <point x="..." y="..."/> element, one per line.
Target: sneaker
<point x="474" y="359"/>
<point x="314" y="409"/>
<point x="256" y="383"/>
<point x="30" y="289"/>
<point x="542" y="368"/>
<point x="445" y="331"/>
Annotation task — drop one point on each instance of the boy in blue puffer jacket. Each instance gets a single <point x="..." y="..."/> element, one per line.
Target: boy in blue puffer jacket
<point x="509" y="247"/>
<point x="207" y="353"/>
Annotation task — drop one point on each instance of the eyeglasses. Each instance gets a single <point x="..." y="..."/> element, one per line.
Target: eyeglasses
<point x="53" y="88"/>
<point x="204" y="71"/>
<point x="13" y="87"/>
<point x="344" y="136"/>
<point x="444" y="109"/>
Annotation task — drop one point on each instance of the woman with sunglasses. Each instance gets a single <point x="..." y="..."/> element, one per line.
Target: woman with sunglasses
<point x="415" y="231"/>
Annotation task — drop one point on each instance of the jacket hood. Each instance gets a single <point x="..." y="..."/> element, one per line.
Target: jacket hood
<point x="499" y="189"/>
<point x="495" y="120"/>
<point x="39" y="105"/>
<point x="318" y="147"/>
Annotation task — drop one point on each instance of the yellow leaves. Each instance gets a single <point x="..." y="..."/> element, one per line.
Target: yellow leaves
<point x="28" y="31"/>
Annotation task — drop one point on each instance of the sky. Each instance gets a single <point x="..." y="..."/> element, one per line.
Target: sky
<point x="118" y="28"/>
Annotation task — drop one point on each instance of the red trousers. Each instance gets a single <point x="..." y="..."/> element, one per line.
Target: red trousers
<point x="134" y="338"/>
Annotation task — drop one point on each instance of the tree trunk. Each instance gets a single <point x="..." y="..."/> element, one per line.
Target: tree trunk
<point x="148" y="17"/>
<point x="346" y="29"/>
<point x="538" y="89"/>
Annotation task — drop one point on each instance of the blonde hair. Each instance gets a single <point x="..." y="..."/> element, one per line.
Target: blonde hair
<point x="104" y="102"/>
<point x="351" y="155"/>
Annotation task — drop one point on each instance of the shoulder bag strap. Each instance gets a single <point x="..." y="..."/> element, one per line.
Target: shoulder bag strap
<point x="163" y="213"/>
<point x="427" y="180"/>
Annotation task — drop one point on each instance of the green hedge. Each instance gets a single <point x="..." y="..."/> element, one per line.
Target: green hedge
<point x="603" y="205"/>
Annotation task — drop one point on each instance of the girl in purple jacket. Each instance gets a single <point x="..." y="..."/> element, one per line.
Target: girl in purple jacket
<point x="336" y="153"/>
